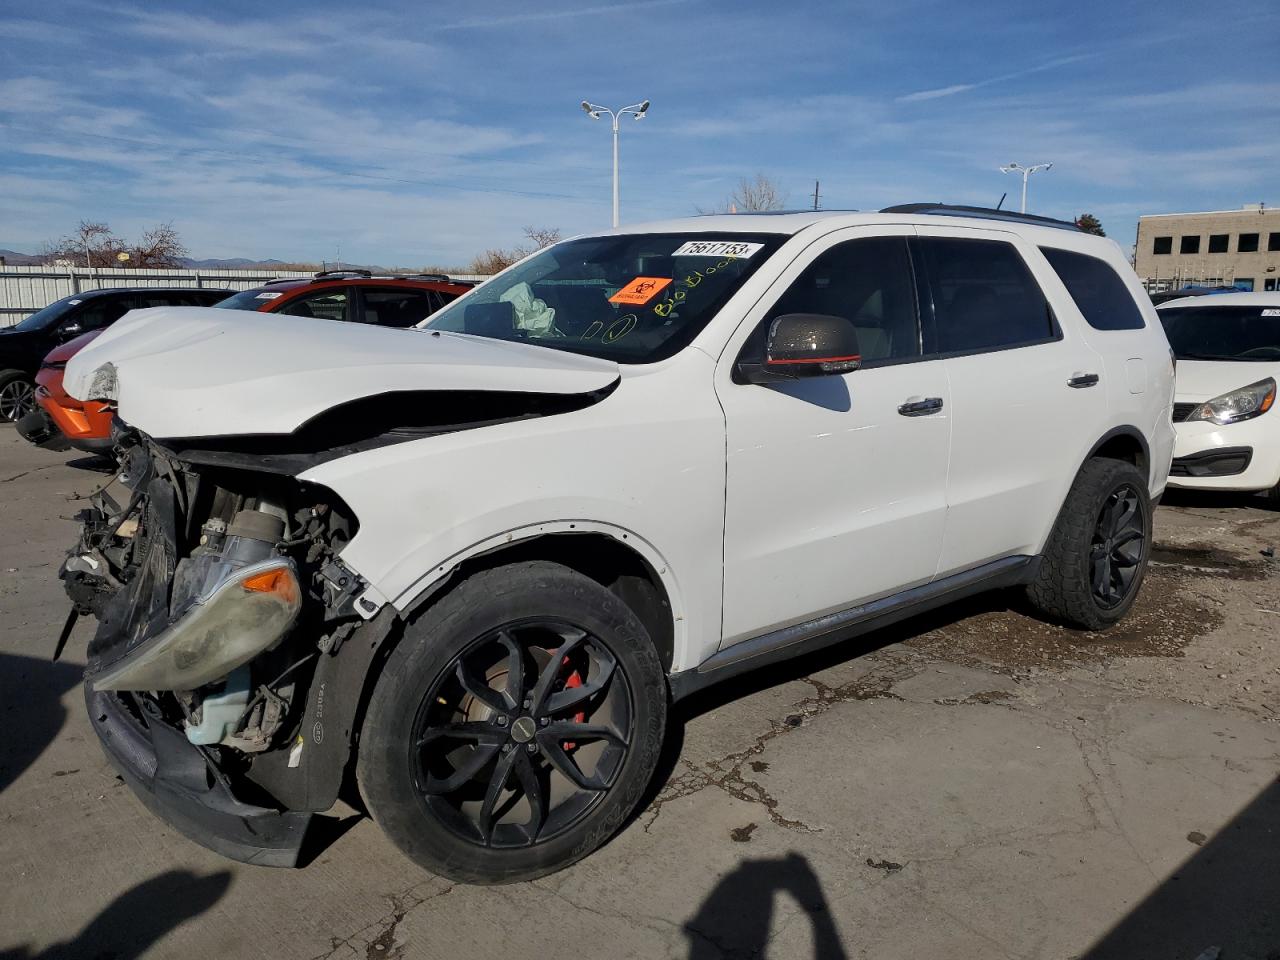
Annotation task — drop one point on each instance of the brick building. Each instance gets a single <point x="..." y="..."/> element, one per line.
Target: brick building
<point x="1234" y="248"/>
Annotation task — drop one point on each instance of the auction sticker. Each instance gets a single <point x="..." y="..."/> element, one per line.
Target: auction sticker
<point x="717" y="248"/>
<point x="267" y="296"/>
<point x="1271" y="313"/>
<point x="640" y="290"/>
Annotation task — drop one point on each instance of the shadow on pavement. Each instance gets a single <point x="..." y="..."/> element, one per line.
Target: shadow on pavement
<point x="1226" y="896"/>
<point x="136" y="919"/>
<point x="94" y="463"/>
<point x="31" y="709"/>
<point x="734" y="920"/>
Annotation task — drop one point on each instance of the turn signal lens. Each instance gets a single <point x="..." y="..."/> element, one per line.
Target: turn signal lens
<point x="279" y="582"/>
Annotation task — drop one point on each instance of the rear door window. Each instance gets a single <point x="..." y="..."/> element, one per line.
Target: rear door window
<point x="1097" y="289"/>
<point x="398" y="307"/>
<point x="984" y="296"/>
<point x="330" y="304"/>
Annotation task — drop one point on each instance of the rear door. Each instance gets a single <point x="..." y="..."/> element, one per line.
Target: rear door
<point x="1025" y="398"/>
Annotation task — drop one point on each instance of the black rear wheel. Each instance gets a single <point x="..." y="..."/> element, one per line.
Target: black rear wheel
<point x="515" y="726"/>
<point x="1096" y="556"/>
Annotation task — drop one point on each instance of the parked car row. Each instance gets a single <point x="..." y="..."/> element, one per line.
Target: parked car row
<point x="31" y="366"/>
<point x="466" y="569"/>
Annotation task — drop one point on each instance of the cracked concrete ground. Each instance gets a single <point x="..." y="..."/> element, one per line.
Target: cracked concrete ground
<point x="973" y="783"/>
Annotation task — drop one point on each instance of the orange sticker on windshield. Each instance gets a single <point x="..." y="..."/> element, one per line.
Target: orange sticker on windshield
<point x="641" y="290"/>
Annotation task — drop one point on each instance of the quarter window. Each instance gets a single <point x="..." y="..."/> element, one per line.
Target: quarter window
<point x="324" y="304"/>
<point x="1248" y="243"/>
<point x="868" y="282"/>
<point x="984" y="296"/>
<point x="1162" y="245"/>
<point x="1189" y="245"/>
<point x="1218" y="242"/>
<point x="1097" y="290"/>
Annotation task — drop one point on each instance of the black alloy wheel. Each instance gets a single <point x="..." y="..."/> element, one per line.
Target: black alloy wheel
<point x="515" y="725"/>
<point x="17" y="399"/>
<point x="1119" y="542"/>
<point x="1092" y="566"/>
<point x="522" y="734"/>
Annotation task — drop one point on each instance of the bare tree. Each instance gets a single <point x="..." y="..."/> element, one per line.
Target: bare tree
<point x="752" y="195"/>
<point x="92" y="244"/>
<point x="496" y="259"/>
<point x="540" y="237"/>
<point x="159" y="247"/>
<point x="760" y="193"/>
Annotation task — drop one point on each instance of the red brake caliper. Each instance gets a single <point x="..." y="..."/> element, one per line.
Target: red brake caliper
<point x="575" y="680"/>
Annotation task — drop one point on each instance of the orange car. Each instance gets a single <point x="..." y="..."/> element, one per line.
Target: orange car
<point x="354" y="295"/>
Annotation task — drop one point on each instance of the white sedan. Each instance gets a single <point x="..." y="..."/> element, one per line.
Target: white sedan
<point x="1228" y="351"/>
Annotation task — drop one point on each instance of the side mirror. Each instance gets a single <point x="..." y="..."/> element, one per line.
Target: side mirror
<point x="804" y="345"/>
<point x="69" y="330"/>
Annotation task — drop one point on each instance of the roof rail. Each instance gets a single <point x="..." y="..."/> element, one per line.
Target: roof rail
<point x="268" y="283"/>
<point x="981" y="213"/>
<point x="326" y="274"/>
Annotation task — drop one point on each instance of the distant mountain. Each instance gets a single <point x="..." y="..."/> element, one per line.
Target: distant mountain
<point x="14" y="259"/>
<point x="231" y="263"/>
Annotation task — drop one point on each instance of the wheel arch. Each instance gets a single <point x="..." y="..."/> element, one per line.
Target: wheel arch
<point x="617" y="559"/>
<point x="1126" y="443"/>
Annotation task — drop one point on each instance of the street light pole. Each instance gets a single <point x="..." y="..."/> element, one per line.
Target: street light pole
<point x="595" y="111"/>
<point x="1026" y="174"/>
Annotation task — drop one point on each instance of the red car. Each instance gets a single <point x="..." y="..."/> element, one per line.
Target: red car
<point x="352" y="295"/>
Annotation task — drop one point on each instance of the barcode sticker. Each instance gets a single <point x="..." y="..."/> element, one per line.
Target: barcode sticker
<point x="717" y="248"/>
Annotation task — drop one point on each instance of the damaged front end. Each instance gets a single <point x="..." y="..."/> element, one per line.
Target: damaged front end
<point x="229" y="662"/>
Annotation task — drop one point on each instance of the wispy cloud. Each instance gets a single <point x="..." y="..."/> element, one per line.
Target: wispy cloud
<point x="475" y="23"/>
<point x="951" y="91"/>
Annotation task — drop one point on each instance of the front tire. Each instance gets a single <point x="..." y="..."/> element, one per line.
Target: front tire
<point x="17" y="395"/>
<point x="1096" y="557"/>
<point x="515" y="727"/>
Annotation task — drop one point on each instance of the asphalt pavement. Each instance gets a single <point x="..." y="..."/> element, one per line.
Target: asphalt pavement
<point x="972" y="783"/>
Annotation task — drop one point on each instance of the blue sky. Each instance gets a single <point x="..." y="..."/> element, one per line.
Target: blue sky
<point x="422" y="133"/>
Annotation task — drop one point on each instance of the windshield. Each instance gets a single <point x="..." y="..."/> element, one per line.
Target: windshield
<point x="247" y="299"/>
<point x="49" y="315"/>
<point x="634" y="298"/>
<point x="1223" y="332"/>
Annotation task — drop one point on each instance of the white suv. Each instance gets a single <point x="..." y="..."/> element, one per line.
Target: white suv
<point x="1228" y="350"/>
<point x="474" y="563"/>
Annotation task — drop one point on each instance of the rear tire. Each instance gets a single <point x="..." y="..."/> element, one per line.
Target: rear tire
<point x="1096" y="557"/>
<point x="515" y="727"/>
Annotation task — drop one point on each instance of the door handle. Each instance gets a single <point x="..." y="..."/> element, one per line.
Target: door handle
<point x="915" y="407"/>
<point x="1079" y="380"/>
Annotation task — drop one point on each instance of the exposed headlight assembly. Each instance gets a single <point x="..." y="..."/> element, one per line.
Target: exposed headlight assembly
<point x="105" y="385"/>
<point x="1243" y="404"/>
<point x="245" y="614"/>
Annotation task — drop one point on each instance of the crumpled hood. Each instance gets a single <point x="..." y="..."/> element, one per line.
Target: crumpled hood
<point x="1201" y="380"/>
<point x="205" y="372"/>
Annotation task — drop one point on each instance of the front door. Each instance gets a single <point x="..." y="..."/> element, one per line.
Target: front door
<point x="835" y="487"/>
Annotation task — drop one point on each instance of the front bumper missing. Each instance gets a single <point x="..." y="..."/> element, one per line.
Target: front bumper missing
<point x="180" y="785"/>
